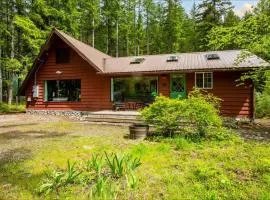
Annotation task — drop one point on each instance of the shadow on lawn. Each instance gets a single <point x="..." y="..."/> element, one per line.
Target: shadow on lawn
<point x="31" y="134"/>
<point x="17" y="125"/>
<point x="14" y="174"/>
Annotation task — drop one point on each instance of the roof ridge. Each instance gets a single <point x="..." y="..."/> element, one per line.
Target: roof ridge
<point x="176" y="53"/>
<point x="65" y="34"/>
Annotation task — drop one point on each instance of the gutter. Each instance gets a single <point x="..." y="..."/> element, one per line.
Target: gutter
<point x="177" y="71"/>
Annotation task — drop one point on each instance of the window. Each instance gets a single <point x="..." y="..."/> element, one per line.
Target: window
<point x="62" y="55"/>
<point x="137" y="61"/>
<point x="62" y="90"/>
<point x="212" y="56"/>
<point x="204" y="80"/>
<point x="172" y="59"/>
<point x="138" y="89"/>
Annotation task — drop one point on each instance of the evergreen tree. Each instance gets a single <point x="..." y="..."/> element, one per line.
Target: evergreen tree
<point x="210" y="14"/>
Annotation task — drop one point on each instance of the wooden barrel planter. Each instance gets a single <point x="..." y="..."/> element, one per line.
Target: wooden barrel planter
<point x="138" y="131"/>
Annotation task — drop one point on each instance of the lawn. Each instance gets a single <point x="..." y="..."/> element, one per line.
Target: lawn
<point x="170" y="169"/>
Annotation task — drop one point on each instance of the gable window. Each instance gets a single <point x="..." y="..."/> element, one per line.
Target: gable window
<point x="62" y="55"/>
<point x="204" y="80"/>
<point x="62" y="90"/>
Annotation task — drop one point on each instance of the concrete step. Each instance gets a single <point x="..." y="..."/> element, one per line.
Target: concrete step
<point x="112" y="117"/>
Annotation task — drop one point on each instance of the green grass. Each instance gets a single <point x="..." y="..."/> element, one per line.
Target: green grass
<point x="5" y="108"/>
<point x="171" y="169"/>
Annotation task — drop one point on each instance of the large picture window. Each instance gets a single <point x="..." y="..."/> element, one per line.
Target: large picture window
<point x="62" y="90"/>
<point x="204" y="80"/>
<point x="138" y="89"/>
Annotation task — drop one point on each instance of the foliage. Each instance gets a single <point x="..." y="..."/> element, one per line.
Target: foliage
<point x="190" y="117"/>
<point x="5" y="108"/>
<point x="251" y="33"/>
<point x="105" y="175"/>
<point x="263" y="102"/>
<point x="232" y="169"/>
<point x="261" y="80"/>
<point x="53" y="182"/>
<point x="57" y="179"/>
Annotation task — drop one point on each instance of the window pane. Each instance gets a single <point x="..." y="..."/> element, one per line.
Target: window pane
<point x="199" y="80"/>
<point x="64" y="90"/>
<point x="207" y="80"/>
<point x="139" y="89"/>
<point x="62" y="55"/>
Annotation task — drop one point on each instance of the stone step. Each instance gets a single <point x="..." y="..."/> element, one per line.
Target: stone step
<point x="111" y="120"/>
<point x="112" y="116"/>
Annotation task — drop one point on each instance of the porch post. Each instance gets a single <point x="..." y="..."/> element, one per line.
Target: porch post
<point x="112" y="89"/>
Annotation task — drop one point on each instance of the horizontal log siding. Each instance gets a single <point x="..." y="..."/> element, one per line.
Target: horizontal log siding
<point x="237" y="101"/>
<point x="95" y="89"/>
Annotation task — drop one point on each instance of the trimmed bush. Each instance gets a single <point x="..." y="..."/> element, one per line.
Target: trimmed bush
<point x="190" y="117"/>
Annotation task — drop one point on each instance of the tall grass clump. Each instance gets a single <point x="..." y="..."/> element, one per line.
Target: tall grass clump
<point x="102" y="176"/>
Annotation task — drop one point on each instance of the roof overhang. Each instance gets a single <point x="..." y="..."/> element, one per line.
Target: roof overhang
<point x="177" y="71"/>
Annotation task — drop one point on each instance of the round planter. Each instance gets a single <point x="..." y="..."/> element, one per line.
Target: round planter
<point x="138" y="131"/>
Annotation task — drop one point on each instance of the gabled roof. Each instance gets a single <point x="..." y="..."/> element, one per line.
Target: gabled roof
<point x="90" y="54"/>
<point x="185" y="62"/>
<point x="105" y="64"/>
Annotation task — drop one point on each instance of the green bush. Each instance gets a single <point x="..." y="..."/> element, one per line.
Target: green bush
<point x="5" y="108"/>
<point x="263" y="102"/>
<point x="190" y="117"/>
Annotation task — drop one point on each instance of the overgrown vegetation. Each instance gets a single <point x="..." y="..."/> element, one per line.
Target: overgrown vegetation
<point x="196" y="117"/>
<point x="263" y="98"/>
<point x="261" y="80"/>
<point x="102" y="178"/>
<point x="172" y="168"/>
<point x="5" y="108"/>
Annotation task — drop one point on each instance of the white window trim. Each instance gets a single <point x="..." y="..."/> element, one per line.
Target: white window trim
<point x="212" y="82"/>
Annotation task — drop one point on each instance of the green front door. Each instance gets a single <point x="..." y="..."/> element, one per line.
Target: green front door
<point x="178" y="86"/>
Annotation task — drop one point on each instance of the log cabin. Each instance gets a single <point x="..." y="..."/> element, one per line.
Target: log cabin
<point x="69" y="75"/>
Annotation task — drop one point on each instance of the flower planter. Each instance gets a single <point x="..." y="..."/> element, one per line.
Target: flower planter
<point x="138" y="131"/>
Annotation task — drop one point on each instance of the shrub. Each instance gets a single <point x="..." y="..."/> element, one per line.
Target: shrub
<point x="5" y="108"/>
<point x="263" y="102"/>
<point x="190" y="117"/>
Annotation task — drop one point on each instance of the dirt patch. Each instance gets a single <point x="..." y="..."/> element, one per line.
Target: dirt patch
<point x="26" y="118"/>
<point x="259" y="130"/>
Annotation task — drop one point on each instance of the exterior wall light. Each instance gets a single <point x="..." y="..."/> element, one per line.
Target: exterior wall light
<point x="59" y="72"/>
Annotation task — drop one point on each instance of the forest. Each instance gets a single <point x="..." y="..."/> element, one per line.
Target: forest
<point x="130" y="28"/>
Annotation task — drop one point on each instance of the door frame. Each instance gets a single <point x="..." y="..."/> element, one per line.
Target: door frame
<point x="172" y="75"/>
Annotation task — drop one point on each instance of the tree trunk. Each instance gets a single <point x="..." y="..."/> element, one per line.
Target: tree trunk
<point x="127" y="40"/>
<point x="147" y="32"/>
<point x="1" y="80"/>
<point x="10" y="88"/>
<point x="93" y="32"/>
<point x="117" y="39"/>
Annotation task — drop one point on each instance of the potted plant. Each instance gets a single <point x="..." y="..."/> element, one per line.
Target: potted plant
<point x="138" y="130"/>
